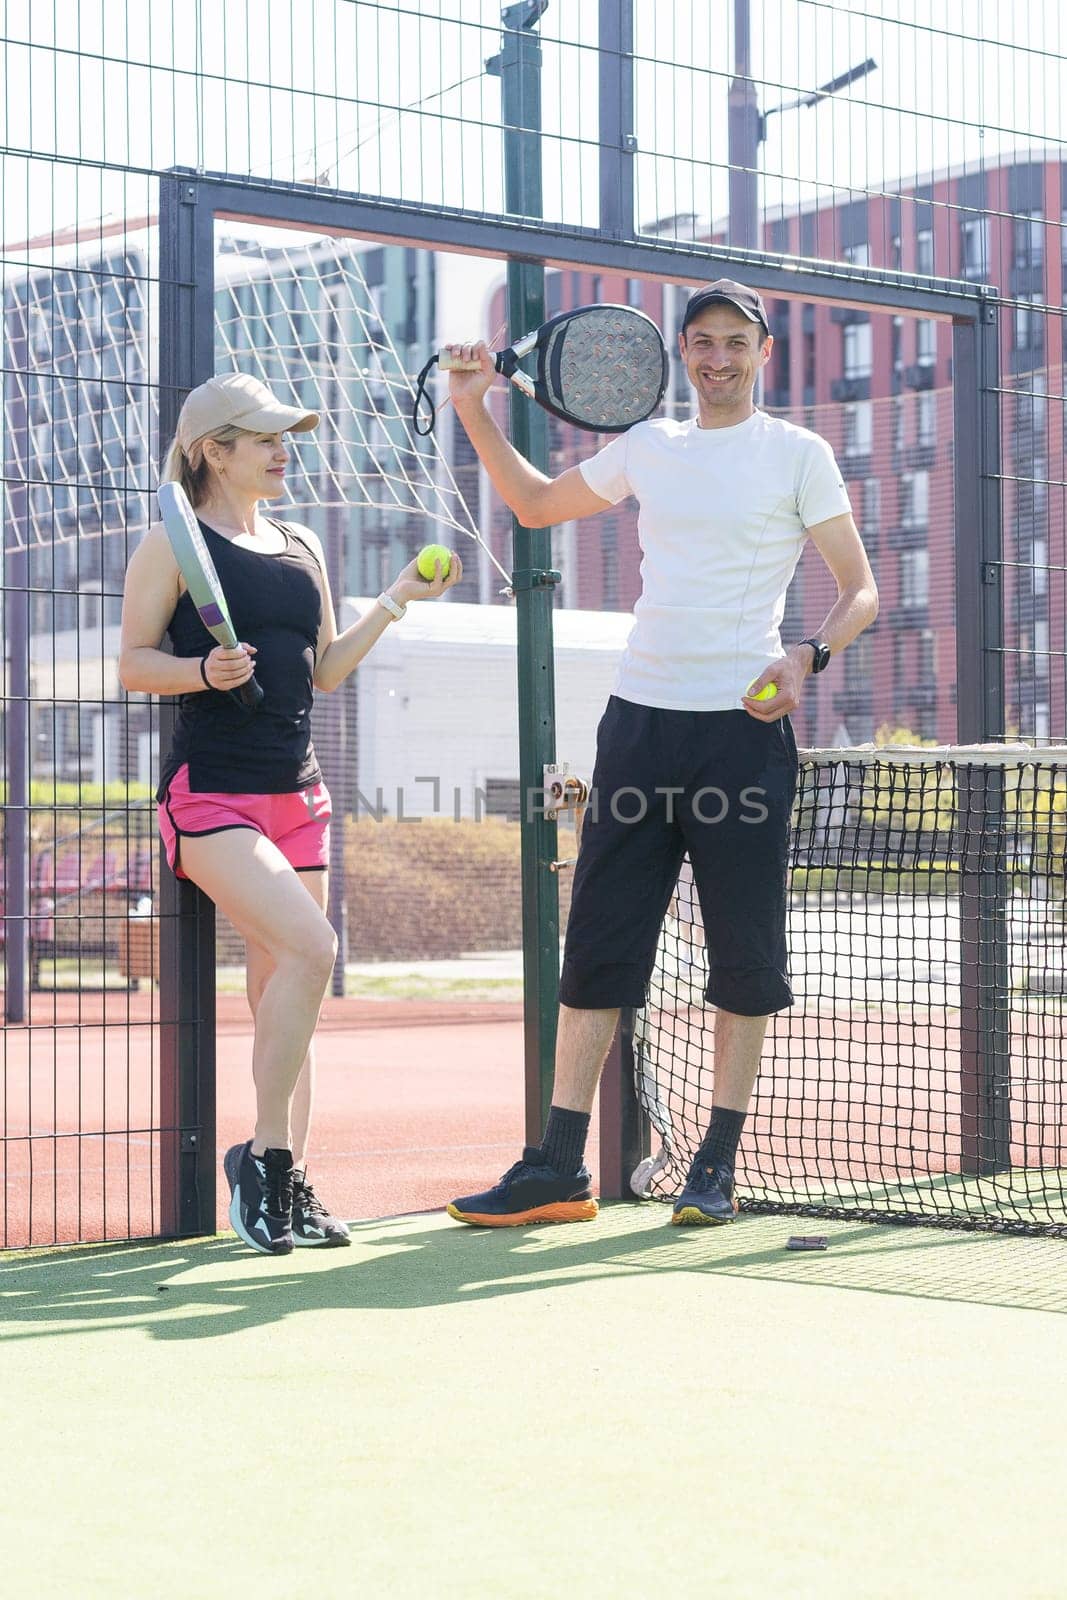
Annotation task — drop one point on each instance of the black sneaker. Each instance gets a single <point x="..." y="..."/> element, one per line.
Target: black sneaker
<point x="530" y="1192"/>
<point x="312" y="1223"/>
<point x="261" y="1198"/>
<point x="708" y="1196"/>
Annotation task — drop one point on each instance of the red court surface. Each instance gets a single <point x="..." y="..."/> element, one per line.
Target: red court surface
<point x="416" y="1104"/>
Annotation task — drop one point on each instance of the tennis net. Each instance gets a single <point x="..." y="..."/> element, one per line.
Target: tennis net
<point x="920" y="1075"/>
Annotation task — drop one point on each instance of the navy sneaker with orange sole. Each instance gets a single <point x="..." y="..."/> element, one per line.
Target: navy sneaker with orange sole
<point x="530" y="1192"/>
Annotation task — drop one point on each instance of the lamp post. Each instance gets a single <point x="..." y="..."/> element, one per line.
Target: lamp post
<point x="747" y="128"/>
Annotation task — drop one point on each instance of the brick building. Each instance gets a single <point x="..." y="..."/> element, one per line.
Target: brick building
<point x="878" y="387"/>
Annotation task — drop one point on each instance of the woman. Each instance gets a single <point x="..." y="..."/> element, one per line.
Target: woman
<point x="242" y="807"/>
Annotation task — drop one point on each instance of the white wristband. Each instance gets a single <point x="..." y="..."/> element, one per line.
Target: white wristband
<point x="387" y="603"/>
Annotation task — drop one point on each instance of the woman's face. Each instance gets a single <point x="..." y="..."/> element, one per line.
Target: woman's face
<point x="254" y="469"/>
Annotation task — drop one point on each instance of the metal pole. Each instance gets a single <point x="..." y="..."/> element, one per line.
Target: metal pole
<point x="984" y="886"/>
<point x="187" y="917"/>
<point x="743" y="138"/>
<point x="616" y="118"/>
<point x="519" y="68"/>
<point x="16" y="770"/>
<point x="337" y="703"/>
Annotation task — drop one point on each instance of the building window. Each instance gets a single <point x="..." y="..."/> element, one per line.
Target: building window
<point x="1041" y="649"/>
<point x="926" y="342"/>
<point x="1031" y="408"/>
<point x="1029" y="323"/>
<point x="898" y="424"/>
<point x="926" y="420"/>
<point x="924" y="251"/>
<point x="858" y="429"/>
<point x="914" y="499"/>
<point x="896" y="345"/>
<point x="872" y="506"/>
<point x="858" y="663"/>
<point x="857" y="336"/>
<point x="857" y="255"/>
<point x="1041" y="720"/>
<point x="914" y="578"/>
<point x="1029" y="238"/>
<point x="1039" y="566"/>
<point x="974" y="247"/>
<point x="809" y="361"/>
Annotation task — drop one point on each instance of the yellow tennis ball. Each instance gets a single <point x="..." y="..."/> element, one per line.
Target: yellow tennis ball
<point x="428" y="555"/>
<point x="768" y="691"/>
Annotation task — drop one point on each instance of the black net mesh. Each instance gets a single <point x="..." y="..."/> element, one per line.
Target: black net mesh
<point x="920" y="1074"/>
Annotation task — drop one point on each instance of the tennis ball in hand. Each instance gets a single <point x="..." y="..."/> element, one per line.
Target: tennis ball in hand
<point x="428" y="555"/>
<point x="768" y="692"/>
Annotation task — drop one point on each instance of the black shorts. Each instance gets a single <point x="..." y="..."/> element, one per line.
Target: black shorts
<point x="717" y="785"/>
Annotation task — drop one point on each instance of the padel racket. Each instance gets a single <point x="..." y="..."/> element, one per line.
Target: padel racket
<point x="201" y="579"/>
<point x="602" y="368"/>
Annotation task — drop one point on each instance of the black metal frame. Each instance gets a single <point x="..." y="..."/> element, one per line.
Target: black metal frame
<point x="190" y="203"/>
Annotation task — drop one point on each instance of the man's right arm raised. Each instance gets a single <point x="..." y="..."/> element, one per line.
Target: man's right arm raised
<point x="537" y="501"/>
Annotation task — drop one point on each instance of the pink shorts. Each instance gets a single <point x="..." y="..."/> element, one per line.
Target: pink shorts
<point x="298" y="823"/>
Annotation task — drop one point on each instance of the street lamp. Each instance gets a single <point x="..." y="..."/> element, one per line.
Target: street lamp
<point x="748" y="129"/>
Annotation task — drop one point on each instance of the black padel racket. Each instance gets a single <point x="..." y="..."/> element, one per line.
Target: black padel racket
<point x="201" y="579"/>
<point x="602" y="368"/>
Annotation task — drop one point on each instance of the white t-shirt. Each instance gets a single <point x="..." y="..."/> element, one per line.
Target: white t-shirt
<point x="722" y="524"/>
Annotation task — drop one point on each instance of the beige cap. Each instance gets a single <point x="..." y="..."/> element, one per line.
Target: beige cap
<point x="238" y="400"/>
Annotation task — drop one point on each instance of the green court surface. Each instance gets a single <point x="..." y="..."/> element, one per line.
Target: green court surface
<point x="614" y="1409"/>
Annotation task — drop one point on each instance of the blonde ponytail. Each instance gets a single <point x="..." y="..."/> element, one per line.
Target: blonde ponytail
<point x="191" y="470"/>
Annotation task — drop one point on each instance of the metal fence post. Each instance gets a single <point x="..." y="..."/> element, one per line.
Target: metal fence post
<point x="519" y="68"/>
<point x="985" y="1064"/>
<point x="187" y="917"/>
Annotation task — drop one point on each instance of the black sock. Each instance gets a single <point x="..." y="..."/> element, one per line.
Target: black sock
<point x="719" y="1145"/>
<point x="563" y="1145"/>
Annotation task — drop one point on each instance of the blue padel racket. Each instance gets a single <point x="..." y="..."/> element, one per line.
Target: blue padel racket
<point x="201" y="579"/>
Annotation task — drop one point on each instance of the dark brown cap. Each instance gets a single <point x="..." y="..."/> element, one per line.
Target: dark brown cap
<point x="724" y="291"/>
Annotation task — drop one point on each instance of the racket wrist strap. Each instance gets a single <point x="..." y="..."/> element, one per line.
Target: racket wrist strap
<point x="203" y="670"/>
<point x="387" y="603"/>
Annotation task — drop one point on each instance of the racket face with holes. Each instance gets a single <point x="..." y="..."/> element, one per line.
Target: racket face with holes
<point x="201" y="580"/>
<point x="602" y="368"/>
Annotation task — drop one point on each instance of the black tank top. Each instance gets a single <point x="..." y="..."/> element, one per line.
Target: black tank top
<point x="276" y="604"/>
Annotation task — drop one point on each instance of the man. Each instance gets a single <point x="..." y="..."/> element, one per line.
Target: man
<point x="689" y="759"/>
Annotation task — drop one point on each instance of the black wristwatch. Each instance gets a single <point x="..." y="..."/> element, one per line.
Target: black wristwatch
<point x="822" y="654"/>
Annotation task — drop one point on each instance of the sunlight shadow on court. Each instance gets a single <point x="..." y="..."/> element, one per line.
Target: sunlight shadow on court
<point x="212" y="1287"/>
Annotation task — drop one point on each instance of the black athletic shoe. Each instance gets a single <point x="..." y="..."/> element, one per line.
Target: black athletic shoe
<point x="530" y="1192"/>
<point x="708" y="1196"/>
<point x="261" y="1198"/>
<point x="312" y="1223"/>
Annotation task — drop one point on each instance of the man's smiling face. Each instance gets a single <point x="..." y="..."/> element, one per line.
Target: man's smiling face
<point x="723" y="352"/>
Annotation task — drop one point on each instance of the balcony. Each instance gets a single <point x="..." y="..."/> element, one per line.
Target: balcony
<point x="855" y="466"/>
<point x="846" y="314"/>
<point x="1027" y="360"/>
<point x="846" y="389"/>
<point x="908" y="536"/>
<point x="1027" y="278"/>
<point x="917" y="457"/>
<point x="923" y="696"/>
<point x="854" y="699"/>
<point x="921" y="375"/>
<point x="904" y="617"/>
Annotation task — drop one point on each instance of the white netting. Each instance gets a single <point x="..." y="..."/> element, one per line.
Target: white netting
<point x="81" y="408"/>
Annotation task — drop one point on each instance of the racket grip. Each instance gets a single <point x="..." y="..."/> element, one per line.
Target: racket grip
<point x="451" y="363"/>
<point x="248" y="694"/>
